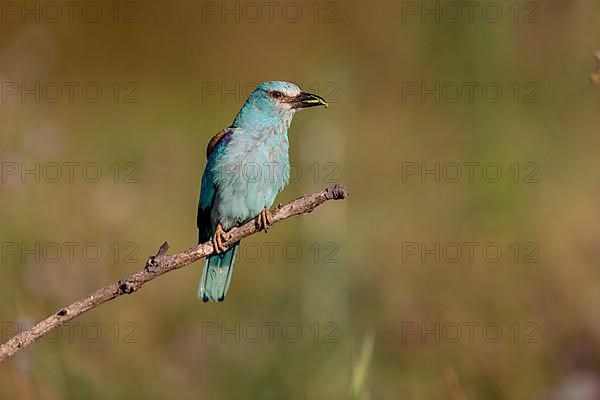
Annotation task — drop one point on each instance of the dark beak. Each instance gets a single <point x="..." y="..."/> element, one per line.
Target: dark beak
<point x="305" y="100"/>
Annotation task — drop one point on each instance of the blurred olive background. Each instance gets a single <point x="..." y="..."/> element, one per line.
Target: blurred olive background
<point x="377" y="321"/>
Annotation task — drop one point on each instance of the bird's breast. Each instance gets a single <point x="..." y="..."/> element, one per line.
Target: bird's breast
<point x="257" y="169"/>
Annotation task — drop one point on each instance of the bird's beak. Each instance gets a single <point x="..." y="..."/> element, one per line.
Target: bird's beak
<point x="305" y="100"/>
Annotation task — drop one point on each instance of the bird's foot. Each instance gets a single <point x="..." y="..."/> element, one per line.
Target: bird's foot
<point x="218" y="239"/>
<point x="264" y="220"/>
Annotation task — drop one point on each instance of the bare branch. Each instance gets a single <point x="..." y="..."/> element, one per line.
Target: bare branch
<point x="159" y="265"/>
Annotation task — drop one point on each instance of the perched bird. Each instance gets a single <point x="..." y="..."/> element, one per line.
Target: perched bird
<point x="248" y="164"/>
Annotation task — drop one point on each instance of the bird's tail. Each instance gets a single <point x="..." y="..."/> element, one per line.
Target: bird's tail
<point x="216" y="276"/>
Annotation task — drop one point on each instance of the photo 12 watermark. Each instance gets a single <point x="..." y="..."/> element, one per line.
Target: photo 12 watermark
<point x="270" y="332"/>
<point x="469" y="172"/>
<point x="470" y="92"/>
<point x="469" y="252"/>
<point x="252" y="12"/>
<point x="69" y="12"/>
<point x="290" y="252"/>
<point x="469" y="332"/>
<point x="34" y="172"/>
<point x="274" y="171"/>
<point x="238" y="92"/>
<point x="455" y="12"/>
<point x="69" y="252"/>
<point x="52" y="92"/>
<point x="72" y="332"/>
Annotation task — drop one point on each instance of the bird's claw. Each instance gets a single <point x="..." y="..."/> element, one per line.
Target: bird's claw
<point x="264" y="220"/>
<point x="218" y="239"/>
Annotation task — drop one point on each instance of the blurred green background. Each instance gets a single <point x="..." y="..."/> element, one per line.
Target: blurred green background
<point x="365" y="298"/>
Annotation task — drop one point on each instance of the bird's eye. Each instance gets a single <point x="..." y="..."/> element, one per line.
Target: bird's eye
<point x="276" y="94"/>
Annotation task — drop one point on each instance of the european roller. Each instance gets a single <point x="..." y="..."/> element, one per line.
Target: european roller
<point x="247" y="165"/>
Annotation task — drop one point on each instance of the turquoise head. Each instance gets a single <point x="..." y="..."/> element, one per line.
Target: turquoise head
<point x="275" y="103"/>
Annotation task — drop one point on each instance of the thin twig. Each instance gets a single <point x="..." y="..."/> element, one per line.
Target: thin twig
<point x="159" y="265"/>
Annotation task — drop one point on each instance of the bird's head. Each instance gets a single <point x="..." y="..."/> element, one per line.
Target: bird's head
<point x="275" y="102"/>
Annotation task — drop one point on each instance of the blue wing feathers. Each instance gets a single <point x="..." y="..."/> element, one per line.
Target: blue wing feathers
<point x="215" y="147"/>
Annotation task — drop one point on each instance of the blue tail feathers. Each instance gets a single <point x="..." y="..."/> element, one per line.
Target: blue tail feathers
<point x="216" y="276"/>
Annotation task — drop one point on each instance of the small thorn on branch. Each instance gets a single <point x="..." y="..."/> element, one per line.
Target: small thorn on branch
<point x="154" y="262"/>
<point x="163" y="249"/>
